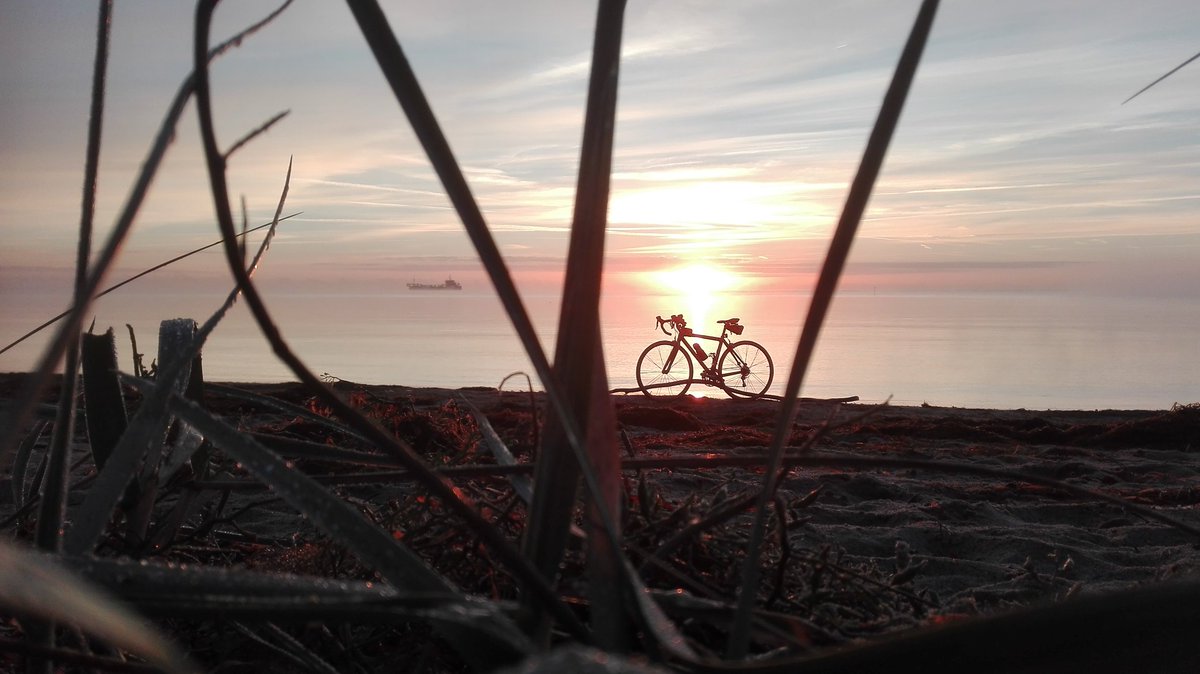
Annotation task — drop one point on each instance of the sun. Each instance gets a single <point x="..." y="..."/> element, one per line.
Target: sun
<point x="698" y="290"/>
<point x="696" y="277"/>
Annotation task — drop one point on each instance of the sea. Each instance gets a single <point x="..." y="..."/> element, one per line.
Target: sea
<point x="983" y="350"/>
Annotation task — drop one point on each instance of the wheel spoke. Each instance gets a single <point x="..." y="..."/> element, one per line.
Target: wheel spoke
<point x="746" y="367"/>
<point x="658" y="374"/>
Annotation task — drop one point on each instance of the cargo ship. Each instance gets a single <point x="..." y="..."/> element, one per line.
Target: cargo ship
<point x="448" y="284"/>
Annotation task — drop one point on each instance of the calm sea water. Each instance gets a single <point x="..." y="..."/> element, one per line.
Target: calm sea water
<point x="1037" y="352"/>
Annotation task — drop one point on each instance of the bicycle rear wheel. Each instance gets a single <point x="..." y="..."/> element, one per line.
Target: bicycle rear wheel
<point x="746" y="367"/>
<point x="661" y="371"/>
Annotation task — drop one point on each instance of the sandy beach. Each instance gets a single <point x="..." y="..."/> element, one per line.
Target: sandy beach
<point x="893" y="517"/>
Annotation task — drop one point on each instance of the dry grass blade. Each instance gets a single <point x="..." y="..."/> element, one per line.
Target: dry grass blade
<point x="131" y="279"/>
<point x="34" y="586"/>
<point x="373" y="24"/>
<point x="1172" y="71"/>
<point x="576" y="363"/>
<point x="180" y="452"/>
<point x="102" y="397"/>
<point x="199" y="591"/>
<point x="520" y="483"/>
<point x="146" y="432"/>
<point x="54" y="491"/>
<point x="658" y="627"/>
<point x="266" y="242"/>
<point x="266" y="126"/>
<point x="535" y="426"/>
<point x="377" y="548"/>
<point x="835" y="261"/>
<point x="73" y="659"/>
<point x="21" y="461"/>
<point x="174" y="338"/>
<point x="278" y="641"/>
<point x="53" y="507"/>
<point x="580" y="370"/>
<point x="611" y="579"/>
<point x="306" y="449"/>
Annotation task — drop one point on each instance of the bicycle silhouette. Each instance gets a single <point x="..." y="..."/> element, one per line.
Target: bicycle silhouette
<point x="668" y="367"/>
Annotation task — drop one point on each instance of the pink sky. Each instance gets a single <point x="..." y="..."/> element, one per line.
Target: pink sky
<point x="739" y="127"/>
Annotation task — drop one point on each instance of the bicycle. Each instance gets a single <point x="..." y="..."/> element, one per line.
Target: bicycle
<point x="667" y="367"/>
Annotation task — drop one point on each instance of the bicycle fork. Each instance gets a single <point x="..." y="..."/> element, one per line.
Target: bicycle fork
<point x="671" y="359"/>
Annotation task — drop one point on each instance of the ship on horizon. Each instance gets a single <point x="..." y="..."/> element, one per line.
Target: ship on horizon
<point x="448" y="284"/>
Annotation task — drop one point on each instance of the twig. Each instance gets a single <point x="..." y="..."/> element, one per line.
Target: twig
<point x="785" y="549"/>
<point x="290" y="648"/>
<point x="533" y="411"/>
<point x="53" y="509"/>
<point x="266" y="126"/>
<point x="131" y="279"/>
<point x="723" y="514"/>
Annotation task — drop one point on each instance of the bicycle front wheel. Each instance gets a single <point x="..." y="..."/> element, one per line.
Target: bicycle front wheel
<point x="664" y="370"/>
<point x="746" y="368"/>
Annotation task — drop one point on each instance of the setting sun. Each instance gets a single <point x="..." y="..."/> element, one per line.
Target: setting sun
<point x="701" y="289"/>
<point x="696" y="278"/>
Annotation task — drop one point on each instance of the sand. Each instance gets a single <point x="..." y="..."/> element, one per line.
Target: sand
<point x="969" y="543"/>
<point x="869" y="550"/>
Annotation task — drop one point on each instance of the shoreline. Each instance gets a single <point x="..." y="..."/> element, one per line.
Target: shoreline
<point x="9" y="384"/>
<point x="927" y="514"/>
<point x="1176" y="429"/>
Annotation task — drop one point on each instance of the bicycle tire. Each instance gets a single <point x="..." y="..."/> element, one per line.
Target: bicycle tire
<point x="751" y="370"/>
<point x="652" y="372"/>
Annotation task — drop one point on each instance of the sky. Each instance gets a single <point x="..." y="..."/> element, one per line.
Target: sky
<point x="739" y="127"/>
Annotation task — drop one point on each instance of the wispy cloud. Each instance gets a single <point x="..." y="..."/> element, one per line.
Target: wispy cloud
<point x="739" y="126"/>
<point x="980" y="188"/>
<point x="368" y="186"/>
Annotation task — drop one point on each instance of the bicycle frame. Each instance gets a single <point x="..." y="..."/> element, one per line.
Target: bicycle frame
<point x="710" y="374"/>
<point x="707" y="372"/>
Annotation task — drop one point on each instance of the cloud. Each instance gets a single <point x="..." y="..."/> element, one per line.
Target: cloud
<point x="981" y="188"/>
<point x="739" y="126"/>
